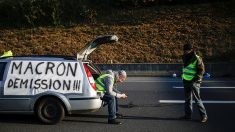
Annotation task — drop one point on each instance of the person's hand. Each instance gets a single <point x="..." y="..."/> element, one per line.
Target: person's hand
<point x="197" y="80"/>
<point x="124" y="96"/>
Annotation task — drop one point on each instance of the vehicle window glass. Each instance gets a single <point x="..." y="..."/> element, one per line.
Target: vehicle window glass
<point x="2" y="69"/>
<point x="92" y="68"/>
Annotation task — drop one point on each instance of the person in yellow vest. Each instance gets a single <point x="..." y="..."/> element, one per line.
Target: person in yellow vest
<point x="7" y="54"/>
<point x="115" y="89"/>
<point x="193" y="71"/>
<point x="105" y="83"/>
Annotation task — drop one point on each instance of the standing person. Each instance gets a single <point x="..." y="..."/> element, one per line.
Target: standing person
<point x="192" y="77"/>
<point x="106" y="84"/>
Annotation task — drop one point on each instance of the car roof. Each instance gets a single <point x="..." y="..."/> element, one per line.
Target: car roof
<point x="40" y="57"/>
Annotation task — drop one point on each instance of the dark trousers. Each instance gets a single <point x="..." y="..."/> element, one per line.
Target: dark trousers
<point x="192" y="89"/>
<point x="116" y="104"/>
<point x="112" y="106"/>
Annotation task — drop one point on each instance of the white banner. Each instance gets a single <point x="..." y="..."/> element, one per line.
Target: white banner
<point x="34" y="77"/>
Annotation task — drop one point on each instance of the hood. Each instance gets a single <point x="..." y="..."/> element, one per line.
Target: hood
<point x="92" y="45"/>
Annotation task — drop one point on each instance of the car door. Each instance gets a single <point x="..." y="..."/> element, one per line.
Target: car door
<point x="2" y="99"/>
<point x="10" y="102"/>
<point x="91" y="46"/>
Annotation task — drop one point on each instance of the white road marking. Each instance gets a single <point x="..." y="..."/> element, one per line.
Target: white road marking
<point x="150" y="81"/>
<point x="141" y="81"/>
<point x="212" y="87"/>
<point x="205" y="102"/>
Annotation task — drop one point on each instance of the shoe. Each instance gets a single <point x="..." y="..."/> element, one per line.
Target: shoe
<point x="204" y="119"/>
<point x="119" y="115"/>
<point x="114" y="121"/>
<point x="185" y="117"/>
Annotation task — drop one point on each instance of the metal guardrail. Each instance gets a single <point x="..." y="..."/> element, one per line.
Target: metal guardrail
<point x="153" y="69"/>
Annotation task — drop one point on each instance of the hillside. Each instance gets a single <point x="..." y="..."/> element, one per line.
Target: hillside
<point x="153" y="34"/>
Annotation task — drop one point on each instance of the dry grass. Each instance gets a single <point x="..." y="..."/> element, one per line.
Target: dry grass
<point x="151" y="35"/>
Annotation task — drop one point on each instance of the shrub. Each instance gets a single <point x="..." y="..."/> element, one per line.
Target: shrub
<point x="45" y="12"/>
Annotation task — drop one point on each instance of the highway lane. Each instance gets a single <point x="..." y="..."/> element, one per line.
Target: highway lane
<point x="144" y="111"/>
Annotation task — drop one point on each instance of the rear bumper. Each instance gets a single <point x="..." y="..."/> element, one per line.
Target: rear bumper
<point x="85" y="104"/>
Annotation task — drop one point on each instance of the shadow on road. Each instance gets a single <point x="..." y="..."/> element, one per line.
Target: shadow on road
<point x="131" y="105"/>
<point x="21" y="119"/>
<point x="32" y="119"/>
<point x="89" y="115"/>
<point x="87" y="118"/>
<point x="126" y="117"/>
<point x="149" y="118"/>
<point x="84" y="121"/>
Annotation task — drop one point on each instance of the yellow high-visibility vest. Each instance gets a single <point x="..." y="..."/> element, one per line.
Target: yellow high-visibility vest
<point x="190" y="71"/>
<point x="6" y="54"/>
<point x="100" y="82"/>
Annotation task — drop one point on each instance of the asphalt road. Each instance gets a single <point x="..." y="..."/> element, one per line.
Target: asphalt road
<point x="153" y="105"/>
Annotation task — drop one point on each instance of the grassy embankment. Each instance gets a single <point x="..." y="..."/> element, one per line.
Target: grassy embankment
<point x="147" y="34"/>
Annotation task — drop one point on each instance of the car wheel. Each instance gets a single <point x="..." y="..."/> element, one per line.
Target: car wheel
<point x="50" y="110"/>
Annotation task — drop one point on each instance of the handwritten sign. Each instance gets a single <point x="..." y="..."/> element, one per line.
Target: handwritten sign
<point x="34" y="77"/>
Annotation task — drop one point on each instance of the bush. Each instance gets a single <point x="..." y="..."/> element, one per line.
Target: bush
<point x="45" y="12"/>
<point x="66" y="12"/>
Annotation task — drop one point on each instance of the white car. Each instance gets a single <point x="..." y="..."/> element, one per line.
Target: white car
<point x="51" y="86"/>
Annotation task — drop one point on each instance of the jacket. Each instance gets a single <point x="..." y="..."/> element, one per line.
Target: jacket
<point x="190" y="58"/>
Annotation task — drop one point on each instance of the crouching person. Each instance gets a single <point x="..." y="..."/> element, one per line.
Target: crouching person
<point x="106" y="84"/>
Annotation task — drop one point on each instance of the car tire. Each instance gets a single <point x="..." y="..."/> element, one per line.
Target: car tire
<point x="50" y="110"/>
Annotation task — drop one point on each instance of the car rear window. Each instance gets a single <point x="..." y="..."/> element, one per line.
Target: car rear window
<point x="2" y="69"/>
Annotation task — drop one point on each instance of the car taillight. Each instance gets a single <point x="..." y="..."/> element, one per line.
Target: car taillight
<point x="90" y="77"/>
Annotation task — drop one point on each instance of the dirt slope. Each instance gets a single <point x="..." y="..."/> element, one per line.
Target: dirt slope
<point x="147" y="35"/>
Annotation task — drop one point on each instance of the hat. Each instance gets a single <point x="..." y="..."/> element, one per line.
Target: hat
<point x="188" y="47"/>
